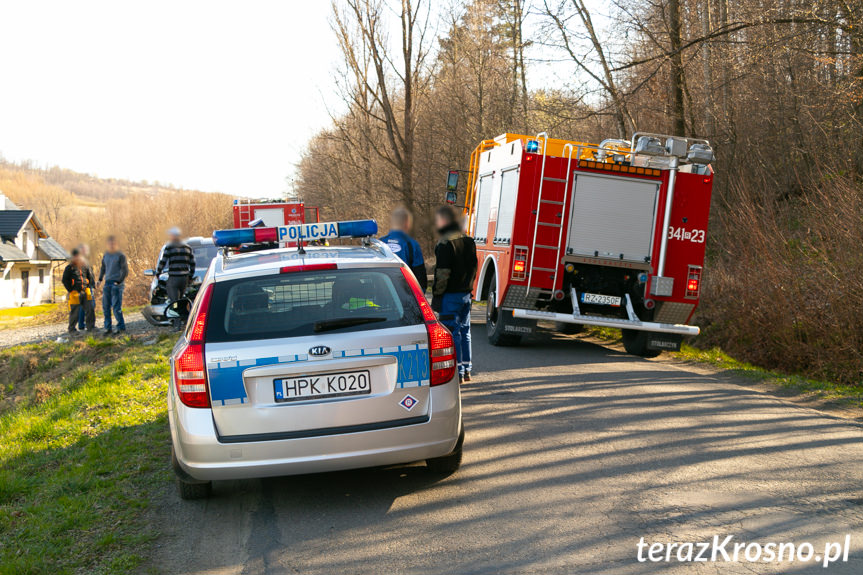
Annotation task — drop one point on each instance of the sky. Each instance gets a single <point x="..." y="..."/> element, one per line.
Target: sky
<point x="210" y="95"/>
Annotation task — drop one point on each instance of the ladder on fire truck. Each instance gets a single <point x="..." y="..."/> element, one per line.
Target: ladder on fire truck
<point x="554" y="183"/>
<point x="245" y="210"/>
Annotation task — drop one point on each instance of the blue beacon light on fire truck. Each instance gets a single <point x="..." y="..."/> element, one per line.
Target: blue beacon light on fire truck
<point x="307" y="232"/>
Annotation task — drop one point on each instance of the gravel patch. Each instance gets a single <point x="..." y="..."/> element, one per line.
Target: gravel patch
<point x="40" y="333"/>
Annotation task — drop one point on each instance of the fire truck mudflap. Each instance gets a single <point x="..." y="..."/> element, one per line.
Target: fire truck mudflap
<point x="610" y="235"/>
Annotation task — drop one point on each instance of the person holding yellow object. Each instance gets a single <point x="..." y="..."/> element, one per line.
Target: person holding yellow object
<point x="75" y="283"/>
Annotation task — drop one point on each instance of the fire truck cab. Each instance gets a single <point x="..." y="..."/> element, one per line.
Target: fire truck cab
<point x="582" y="234"/>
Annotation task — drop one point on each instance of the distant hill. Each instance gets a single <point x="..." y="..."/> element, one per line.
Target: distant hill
<point x="83" y="209"/>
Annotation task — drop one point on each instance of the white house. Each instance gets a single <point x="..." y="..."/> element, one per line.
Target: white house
<point x="28" y="257"/>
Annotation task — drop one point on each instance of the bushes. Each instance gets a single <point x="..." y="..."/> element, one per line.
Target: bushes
<point x="784" y="286"/>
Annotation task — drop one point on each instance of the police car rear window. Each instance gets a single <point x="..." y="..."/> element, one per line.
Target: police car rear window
<point x="306" y="303"/>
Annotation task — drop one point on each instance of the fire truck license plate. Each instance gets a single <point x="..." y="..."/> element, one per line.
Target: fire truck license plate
<point x="599" y="299"/>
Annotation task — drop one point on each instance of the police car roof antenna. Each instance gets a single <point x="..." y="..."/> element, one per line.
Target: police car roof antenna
<point x="300" y="249"/>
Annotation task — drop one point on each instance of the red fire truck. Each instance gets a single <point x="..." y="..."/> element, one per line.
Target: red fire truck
<point x="273" y="213"/>
<point x="583" y="234"/>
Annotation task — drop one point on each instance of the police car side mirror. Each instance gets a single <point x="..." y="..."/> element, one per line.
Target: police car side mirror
<point x="451" y="197"/>
<point x="150" y="273"/>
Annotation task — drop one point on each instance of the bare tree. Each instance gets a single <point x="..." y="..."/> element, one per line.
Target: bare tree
<point x="388" y="94"/>
<point x="605" y="76"/>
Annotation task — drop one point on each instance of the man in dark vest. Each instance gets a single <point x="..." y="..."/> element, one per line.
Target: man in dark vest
<point x="455" y="271"/>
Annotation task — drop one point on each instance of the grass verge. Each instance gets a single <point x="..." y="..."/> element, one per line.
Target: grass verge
<point x="83" y="449"/>
<point x="846" y="394"/>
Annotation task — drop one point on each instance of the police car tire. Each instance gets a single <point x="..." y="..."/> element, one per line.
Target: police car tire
<point x="635" y="343"/>
<point x="497" y="329"/>
<point x="448" y="464"/>
<point x="568" y="328"/>
<point x="189" y="491"/>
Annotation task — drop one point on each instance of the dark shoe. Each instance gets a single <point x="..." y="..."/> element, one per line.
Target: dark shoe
<point x="467" y="376"/>
<point x="108" y="331"/>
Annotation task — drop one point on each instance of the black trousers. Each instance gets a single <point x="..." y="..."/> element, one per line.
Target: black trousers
<point x="74" y="310"/>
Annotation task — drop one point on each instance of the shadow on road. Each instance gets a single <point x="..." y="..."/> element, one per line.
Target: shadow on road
<point x="573" y="452"/>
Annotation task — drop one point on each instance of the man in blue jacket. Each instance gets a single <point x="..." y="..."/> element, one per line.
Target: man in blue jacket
<point x="404" y="246"/>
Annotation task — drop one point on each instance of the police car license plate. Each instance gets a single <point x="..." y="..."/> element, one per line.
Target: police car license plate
<point x="322" y="386"/>
<point x="599" y="299"/>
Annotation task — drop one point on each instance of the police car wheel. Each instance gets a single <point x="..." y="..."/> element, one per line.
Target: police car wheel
<point x="495" y="323"/>
<point x="635" y="342"/>
<point x="448" y="464"/>
<point x="187" y="487"/>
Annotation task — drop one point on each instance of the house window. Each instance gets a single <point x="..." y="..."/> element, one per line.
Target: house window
<point x="41" y="276"/>
<point x="25" y="238"/>
<point x="25" y="284"/>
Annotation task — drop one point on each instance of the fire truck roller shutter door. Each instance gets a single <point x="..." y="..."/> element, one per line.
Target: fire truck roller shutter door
<point x="613" y="217"/>
<point x="483" y="206"/>
<point x="506" y="204"/>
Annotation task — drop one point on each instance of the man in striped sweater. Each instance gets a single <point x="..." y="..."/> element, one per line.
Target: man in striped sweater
<point x="179" y="261"/>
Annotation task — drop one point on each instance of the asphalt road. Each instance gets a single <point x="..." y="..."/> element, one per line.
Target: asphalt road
<point x="574" y="451"/>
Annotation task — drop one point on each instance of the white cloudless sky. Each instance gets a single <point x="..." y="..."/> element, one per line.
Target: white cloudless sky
<point x="211" y="95"/>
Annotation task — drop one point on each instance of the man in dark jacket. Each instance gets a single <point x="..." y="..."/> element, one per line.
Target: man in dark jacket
<point x="454" y="274"/>
<point x="179" y="261"/>
<point x="404" y="246"/>
<point x="113" y="272"/>
<point x="73" y="281"/>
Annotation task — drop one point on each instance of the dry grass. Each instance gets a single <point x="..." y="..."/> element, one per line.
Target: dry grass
<point x="784" y="288"/>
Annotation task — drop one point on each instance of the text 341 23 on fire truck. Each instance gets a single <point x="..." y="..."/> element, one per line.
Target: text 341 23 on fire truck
<point x="583" y="234"/>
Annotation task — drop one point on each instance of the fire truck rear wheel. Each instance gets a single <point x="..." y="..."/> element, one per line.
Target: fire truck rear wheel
<point x="495" y="324"/>
<point x="568" y="328"/>
<point x="635" y="342"/>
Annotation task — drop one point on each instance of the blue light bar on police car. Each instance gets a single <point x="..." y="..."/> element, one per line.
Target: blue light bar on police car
<point x="305" y="232"/>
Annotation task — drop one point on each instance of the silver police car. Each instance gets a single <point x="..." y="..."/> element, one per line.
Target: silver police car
<point x="308" y="360"/>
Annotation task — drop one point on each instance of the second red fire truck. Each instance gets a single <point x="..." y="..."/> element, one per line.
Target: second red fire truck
<point x="583" y="234"/>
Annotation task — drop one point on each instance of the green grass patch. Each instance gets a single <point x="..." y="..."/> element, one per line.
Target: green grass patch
<point x="847" y="394"/>
<point x="13" y="313"/>
<point x="83" y="450"/>
<point x="15" y="317"/>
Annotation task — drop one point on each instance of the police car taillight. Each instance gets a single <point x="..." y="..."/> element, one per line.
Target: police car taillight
<point x="441" y="346"/>
<point x="190" y="369"/>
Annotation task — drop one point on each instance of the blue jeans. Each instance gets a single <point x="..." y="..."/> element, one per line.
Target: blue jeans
<point x="112" y="301"/>
<point x="455" y="315"/>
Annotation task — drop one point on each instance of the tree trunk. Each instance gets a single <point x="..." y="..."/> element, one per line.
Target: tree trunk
<point x="678" y="113"/>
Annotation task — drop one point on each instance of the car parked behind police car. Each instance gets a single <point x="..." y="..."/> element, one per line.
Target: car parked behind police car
<point x="298" y="362"/>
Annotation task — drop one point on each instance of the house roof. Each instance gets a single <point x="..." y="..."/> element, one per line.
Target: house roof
<point x="53" y="249"/>
<point x="9" y="252"/>
<point x="11" y="222"/>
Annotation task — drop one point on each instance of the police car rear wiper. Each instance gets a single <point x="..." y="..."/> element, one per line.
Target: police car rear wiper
<point x="345" y="322"/>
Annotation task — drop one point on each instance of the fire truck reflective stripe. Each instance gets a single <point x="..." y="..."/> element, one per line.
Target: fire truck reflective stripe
<point x="226" y="378"/>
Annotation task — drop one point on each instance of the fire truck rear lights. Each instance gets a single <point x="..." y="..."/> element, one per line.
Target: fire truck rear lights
<point x="293" y="233"/>
<point x="618" y="168"/>
<point x="519" y="264"/>
<point x="693" y="282"/>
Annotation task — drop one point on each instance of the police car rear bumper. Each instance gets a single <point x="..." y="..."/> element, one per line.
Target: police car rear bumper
<point x="204" y="456"/>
